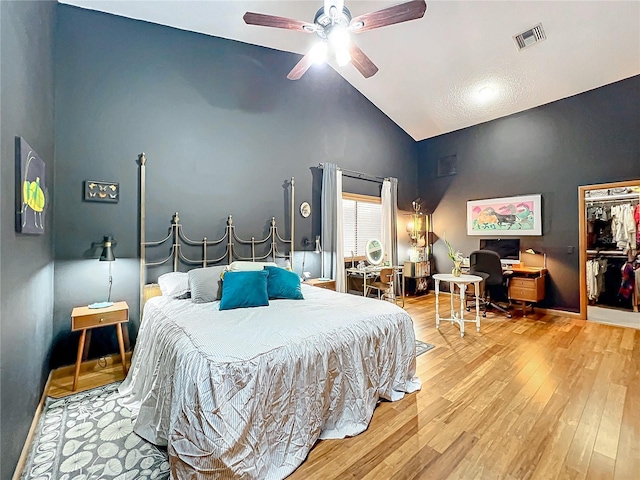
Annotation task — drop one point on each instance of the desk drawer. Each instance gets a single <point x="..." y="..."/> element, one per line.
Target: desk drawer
<point x="525" y="294"/>
<point x="99" y="319"/>
<point x="522" y="283"/>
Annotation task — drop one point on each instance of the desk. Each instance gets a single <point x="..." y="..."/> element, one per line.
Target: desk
<point x="462" y="281"/>
<point x="372" y="272"/>
<point x="526" y="285"/>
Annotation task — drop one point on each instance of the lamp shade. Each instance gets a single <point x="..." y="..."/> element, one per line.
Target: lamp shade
<point x="107" y="250"/>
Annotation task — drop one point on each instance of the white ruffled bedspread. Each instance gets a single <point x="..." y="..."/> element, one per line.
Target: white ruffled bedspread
<point x="245" y="394"/>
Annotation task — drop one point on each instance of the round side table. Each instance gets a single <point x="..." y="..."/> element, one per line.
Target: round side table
<point x="462" y="281"/>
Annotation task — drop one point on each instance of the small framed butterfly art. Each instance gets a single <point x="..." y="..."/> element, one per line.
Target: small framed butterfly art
<point x="95" y="191"/>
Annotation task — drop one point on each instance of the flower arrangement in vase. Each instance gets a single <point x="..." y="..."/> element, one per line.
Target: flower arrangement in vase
<point x="456" y="257"/>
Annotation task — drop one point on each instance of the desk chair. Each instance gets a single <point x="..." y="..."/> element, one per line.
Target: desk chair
<point x="486" y="264"/>
<point x="383" y="285"/>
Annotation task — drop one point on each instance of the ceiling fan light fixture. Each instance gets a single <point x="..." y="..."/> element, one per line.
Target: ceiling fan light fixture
<point x="339" y="37"/>
<point x="319" y="53"/>
<point x="333" y="24"/>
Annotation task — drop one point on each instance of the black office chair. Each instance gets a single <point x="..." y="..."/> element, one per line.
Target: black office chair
<point x="486" y="264"/>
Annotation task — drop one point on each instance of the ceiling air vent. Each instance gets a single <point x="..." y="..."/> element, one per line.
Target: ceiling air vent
<point x="530" y="37"/>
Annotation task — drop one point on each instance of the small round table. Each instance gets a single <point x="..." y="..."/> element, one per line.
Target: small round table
<point x="462" y="281"/>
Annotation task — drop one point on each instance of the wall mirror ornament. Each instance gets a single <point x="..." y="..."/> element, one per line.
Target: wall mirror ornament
<point x="373" y="251"/>
<point x="305" y="209"/>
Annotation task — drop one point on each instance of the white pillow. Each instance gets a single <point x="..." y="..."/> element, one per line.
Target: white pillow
<point x="240" y="266"/>
<point x="173" y="284"/>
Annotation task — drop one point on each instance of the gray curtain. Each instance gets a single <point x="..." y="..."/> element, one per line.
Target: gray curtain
<point x="332" y="234"/>
<point x="394" y="220"/>
<point x="390" y="221"/>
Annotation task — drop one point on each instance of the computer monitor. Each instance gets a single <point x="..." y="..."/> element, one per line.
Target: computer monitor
<point x="508" y="249"/>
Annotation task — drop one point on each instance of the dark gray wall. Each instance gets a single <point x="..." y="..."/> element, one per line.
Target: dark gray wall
<point x="26" y="278"/>
<point x="586" y="139"/>
<point x="222" y="128"/>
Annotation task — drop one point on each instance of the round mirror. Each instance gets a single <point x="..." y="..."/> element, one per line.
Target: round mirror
<point x="305" y="209"/>
<point x="373" y="251"/>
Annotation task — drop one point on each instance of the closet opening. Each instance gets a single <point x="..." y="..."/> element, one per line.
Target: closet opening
<point x="609" y="253"/>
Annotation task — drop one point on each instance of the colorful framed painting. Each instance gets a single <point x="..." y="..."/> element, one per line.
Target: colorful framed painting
<point x="517" y="216"/>
<point x="31" y="198"/>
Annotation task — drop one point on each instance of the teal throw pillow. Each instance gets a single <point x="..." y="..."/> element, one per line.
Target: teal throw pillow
<point x="283" y="283"/>
<point x="244" y="289"/>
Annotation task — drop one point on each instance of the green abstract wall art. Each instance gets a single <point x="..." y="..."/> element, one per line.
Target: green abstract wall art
<point x="31" y="192"/>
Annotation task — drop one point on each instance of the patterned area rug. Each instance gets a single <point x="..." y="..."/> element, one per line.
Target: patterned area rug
<point x="89" y="436"/>
<point x="422" y="347"/>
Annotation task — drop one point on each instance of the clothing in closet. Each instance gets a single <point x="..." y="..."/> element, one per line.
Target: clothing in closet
<point x="628" y="284"/>
<point x="636" y="218"/>
<point x="610" y="293"/>
<point x="595" y="277"/>
<point x="623" y="226"/>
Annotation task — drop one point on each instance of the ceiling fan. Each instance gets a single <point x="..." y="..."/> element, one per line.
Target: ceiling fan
<point x="333" y="24"/>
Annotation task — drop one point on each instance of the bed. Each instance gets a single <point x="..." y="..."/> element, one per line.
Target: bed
<point x="245" y="393"/>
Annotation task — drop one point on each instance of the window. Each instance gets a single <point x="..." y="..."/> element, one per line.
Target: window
<point x="361" y="220"/>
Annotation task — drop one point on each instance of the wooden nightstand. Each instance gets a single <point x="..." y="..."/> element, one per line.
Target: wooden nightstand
<point x="85" y="318"/>
<point x="322" y="283"/>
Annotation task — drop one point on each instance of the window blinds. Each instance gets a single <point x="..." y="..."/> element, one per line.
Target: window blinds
<point x="361" y="221"/>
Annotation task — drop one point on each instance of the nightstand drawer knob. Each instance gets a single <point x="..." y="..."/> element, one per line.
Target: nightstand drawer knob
<point x="101" y="320"/>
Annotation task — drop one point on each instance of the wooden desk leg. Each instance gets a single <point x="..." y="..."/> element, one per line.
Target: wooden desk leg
<point x="121" y="345"/>
<point x="83" y="336"/>
<point x="87" y="344"/>
<point x="125" y="336"/>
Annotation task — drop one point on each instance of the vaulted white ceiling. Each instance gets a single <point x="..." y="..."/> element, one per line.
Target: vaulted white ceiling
<point x="433" y="69"/>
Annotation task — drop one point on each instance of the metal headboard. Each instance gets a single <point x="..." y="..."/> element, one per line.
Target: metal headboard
<point x="178" y="239"/>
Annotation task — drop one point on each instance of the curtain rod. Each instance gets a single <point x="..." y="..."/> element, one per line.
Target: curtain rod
<point x="355" y="174"/>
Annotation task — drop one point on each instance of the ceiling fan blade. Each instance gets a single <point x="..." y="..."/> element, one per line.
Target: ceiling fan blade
<point x="252" y="18"/>
<point x="301" y="67"/>
<point x="363" y="63"/>
<point x="389" y="16"/>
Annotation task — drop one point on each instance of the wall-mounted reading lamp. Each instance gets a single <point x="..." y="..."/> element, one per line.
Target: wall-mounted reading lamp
<point x="107" y="255"/>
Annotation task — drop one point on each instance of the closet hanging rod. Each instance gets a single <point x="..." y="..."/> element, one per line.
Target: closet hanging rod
<point x="614" y="198"/>
<point x="606" y="253"/>
<point x="360" y="175"/>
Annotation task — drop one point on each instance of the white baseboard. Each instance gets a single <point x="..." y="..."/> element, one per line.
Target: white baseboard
<point x="34" y="424"/>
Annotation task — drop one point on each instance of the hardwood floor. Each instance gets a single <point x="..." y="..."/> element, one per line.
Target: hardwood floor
<point x="93" y="373"/>
<point x="536" y="397"/>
